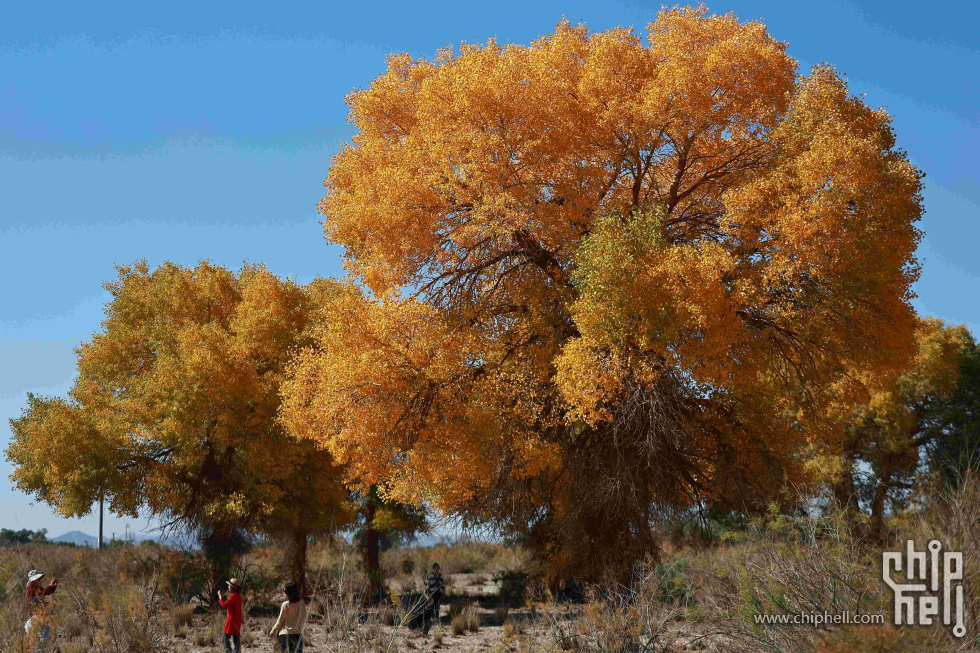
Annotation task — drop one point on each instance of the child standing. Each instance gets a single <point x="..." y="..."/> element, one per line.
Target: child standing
<point x="233" y="623"/>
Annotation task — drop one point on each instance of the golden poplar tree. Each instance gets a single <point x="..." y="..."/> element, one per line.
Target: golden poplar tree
<point x="607" y="277"/>
<point x="175" y="407"/>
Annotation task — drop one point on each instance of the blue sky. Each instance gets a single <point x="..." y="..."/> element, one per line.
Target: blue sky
<point x="189" y="130"/>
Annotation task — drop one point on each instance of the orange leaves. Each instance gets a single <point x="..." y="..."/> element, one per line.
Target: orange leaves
<point x="830" y="228"/>
<point x="175" y="408"/>
<point x="619" y="252"/>
<point x="480" y="144"/>
<point x="883" y="418"/>
<point x="590" y="380"/>
<point x="718" y="74"/>
<point x="48" y="440"/>
<point x="670" y="303"/>
<point x="368" y="358"/>
<point x="398" y="396"/>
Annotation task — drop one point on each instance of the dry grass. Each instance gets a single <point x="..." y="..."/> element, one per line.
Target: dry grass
<point x="110" y="603"/>
<point x="182" y="619"/>
<point x="700" y="598"/>
<point x="472" y="618"/>
<point x="512" y="629"/>
<point x="409" y="566"/>
<point x="458" y="625"/>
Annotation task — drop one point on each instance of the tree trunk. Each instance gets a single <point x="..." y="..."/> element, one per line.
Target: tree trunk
<point x="298" y="560"/>
<point x="101" y="515"/>
<point x="845" y="495"/>
<point x="878" y="507"/>
<point x="217" y="549"/>
<point x="372" y="545"/>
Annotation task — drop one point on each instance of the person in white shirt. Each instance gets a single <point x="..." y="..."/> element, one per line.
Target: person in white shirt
<point x="292" y="618"/>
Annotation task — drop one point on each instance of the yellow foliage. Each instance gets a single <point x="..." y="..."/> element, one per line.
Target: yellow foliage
<point x="567" y="240"/>
<point x="175" y="405"/>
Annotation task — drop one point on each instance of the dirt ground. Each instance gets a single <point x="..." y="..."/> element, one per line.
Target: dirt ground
<point x="524" y="630"/>
<point x="475" y="590"/>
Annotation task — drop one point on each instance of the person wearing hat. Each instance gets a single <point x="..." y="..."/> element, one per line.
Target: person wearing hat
<point x="35" y="599"/>
<point x="233" y="623"/>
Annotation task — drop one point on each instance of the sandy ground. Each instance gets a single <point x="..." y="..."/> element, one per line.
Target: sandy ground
<point x="462" y="588"/>
<point x="476" y="590"/>
<point x="255" y="638"/>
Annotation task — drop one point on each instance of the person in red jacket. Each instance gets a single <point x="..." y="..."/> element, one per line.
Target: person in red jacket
<point x="233" y="624"/>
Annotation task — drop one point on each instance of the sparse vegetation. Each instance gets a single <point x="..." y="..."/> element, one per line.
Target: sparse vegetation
<point x="708" y="595"/>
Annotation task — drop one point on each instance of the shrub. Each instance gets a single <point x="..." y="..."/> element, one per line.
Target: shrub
<point x="458" y="624"/>
<point x="472" y="618"/>
<point x="182" y="619"/>
<point x="513" y="587"/>
<point x="512" y="629"/>
<point x="865" y="639"/>
<point x="672" y="582"/>
<point x="408" y="566"/>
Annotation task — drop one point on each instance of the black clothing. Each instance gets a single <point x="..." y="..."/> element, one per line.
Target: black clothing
<point x="233" y="643"/>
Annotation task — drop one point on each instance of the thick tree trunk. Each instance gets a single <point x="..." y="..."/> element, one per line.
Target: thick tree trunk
<point x="216" y="575"/>
<point x="217" y="550"/>
<point x="298" y="560"/>
<point x="372" y="545"/>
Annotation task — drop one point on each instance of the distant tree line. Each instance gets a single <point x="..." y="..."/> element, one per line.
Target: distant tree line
<point x="24" y="536"/>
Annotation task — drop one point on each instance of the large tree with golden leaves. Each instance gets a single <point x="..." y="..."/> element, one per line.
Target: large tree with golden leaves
<point x="609" y="276"/>
<point x="175" y="409"/>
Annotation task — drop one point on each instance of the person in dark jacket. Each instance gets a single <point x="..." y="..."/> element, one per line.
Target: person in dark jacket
<point x="233" y="623"/>
<point x="435" y="590"/>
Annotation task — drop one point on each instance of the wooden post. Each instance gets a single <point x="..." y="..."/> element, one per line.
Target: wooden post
<point x="101" y="514"/>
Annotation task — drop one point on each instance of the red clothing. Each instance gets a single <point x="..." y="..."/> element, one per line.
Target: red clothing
<point x="36" y="593"/>
<point x="233" y="624"/>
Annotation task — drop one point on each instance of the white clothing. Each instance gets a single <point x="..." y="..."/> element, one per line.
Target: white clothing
<point x="292" y="618"/>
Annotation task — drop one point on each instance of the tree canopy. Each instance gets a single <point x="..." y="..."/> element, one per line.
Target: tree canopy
<point x="899" y="419"/>
<point x="605" y="277"/>
<point x="175" y="407"/>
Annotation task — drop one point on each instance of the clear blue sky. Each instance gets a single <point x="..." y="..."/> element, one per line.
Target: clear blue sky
<point x="188" y="130"/>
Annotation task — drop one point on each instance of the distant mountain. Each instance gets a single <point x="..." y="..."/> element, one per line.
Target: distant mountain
<point x="79" y="538"/>
<point x="76" y="537"/>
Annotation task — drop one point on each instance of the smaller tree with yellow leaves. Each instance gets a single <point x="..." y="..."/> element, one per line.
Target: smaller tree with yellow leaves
<point x="175" y="410"/>
<point x="883" y="440"/>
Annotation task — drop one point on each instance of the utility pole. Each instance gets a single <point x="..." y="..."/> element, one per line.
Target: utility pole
<point x="101" y="514"/>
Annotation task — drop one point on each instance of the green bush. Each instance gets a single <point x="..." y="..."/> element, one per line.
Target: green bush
<point x="408" y="566"/>
<point x="513" y="587"/>
<point x="673" y="584"/>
